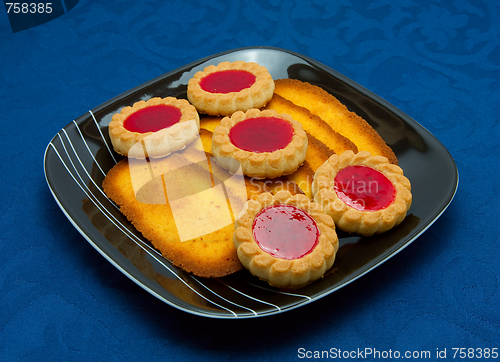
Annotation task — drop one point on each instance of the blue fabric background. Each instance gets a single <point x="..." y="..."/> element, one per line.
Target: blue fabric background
<point x="437" y="61"/>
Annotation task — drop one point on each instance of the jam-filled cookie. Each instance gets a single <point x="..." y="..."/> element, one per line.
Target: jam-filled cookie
<point x="285" y="240"/>
<point x="363" y="194"/>
<point x="163" y="125"/>
<point x="230" y="87"/>
<point x="266" y="144"/>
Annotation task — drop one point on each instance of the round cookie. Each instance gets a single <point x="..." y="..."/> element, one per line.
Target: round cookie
<point x="363" y="194"/>
<point x="230" y="87"/>
<point x="162" y="125"/>
<point x="285" y="240"/>
<point x="266" y="144"/>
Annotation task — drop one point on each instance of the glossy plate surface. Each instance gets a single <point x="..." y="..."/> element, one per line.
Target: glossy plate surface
<point x="78" y="157"/>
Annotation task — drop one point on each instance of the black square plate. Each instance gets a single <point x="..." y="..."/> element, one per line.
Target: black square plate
<point x="78" y="157"/>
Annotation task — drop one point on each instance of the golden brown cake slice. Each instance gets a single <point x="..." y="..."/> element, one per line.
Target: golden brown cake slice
<point x="313" y="125"/>
<point x="335" y="114"/>
<point x="181" y="208"/>
<point x="210" y="255"/>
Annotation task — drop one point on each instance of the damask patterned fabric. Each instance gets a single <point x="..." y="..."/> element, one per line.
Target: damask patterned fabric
<point x="437" y="61"/>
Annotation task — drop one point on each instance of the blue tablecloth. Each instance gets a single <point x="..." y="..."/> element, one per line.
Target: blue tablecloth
<point x="437" y="61"/>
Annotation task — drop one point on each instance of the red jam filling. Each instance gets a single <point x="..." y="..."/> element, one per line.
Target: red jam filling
<point x="364" y="188"/>
<point x="153" y="118"/>
<point x="285" y="232"/>
<point x="227" y="81"/>
<point x="261" y="134"/>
